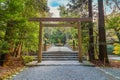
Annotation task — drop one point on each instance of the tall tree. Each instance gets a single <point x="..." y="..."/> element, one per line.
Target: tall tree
<point x="91" y="37"/>
<point x="113" y="4"/>
<point x="78" y="7"/>
<point x="102" y="34"/>
<point x="16" y="30"/>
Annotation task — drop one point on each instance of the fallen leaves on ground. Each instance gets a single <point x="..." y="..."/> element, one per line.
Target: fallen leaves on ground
<point x="11" y="67"/>
<point x="115" y="64"/>
<point x="112" y="64"/>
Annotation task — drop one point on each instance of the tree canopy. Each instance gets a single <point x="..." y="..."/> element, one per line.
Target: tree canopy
<point x="17" y="33"/>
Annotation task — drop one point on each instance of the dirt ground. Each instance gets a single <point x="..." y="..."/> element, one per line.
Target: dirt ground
<point x="10" y="67"/>
<point x="112" y="64"/>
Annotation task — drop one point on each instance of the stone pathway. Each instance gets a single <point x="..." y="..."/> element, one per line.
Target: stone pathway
<point x="66" y="70"/>
<point x="63" y="73"/>
<point x="115" y="72"/>
<point x="56" y="48"/>
<point x="60" y="63"/>
<point x="114" y="57"/>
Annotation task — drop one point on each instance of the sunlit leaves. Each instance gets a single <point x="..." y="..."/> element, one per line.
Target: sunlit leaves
<point x="14" y="25"/>
<point x="113" y="21"/>
<point x="116" y="49"/>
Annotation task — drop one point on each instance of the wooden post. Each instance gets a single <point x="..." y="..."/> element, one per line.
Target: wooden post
<point x="40" y="43"/>
<point x="79" y="42"/>
<point x="45" y="45"/>
<point x="73" y="45"/>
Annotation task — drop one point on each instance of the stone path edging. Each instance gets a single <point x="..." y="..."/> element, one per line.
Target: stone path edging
<point x="106" y="72"/>
<point x="60" y="63"/>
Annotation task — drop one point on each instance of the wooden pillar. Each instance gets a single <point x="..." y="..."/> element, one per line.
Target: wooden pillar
<point x="79" y="42"/>
<point x="40" y="43"/>
<point x="45" y="45"/>
<point x="73" y="45"/>
<point x="91" y="37"/>
<point x="102" y="34"/>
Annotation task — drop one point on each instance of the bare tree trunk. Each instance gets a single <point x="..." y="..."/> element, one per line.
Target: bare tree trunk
<point x="117" y="33"/>
<point x="91" y="37"/>
<point x="16" y="49"/>
<point x="2" y="58"/>
<point x="96" y="45"/>
<point x="19" y="50"/>
<point x="102" y="34"/>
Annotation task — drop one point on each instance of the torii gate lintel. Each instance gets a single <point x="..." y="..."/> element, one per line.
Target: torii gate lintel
<point x="41" y="25"/>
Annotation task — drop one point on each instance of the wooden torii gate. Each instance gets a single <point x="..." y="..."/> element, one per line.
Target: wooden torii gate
<point x="78" y="25"/>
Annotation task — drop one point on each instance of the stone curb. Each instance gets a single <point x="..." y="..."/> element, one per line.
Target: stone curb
<point x="108" y="73"/>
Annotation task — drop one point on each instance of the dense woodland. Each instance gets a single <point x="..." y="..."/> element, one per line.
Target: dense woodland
<point x="19" y="36"/>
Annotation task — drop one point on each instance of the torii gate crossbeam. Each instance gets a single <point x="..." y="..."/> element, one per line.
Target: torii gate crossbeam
<point x="41" y="25"/>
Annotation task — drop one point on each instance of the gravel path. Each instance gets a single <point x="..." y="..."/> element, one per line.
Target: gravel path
<point x="63" y="73"/>
<point x="112" y="71"/>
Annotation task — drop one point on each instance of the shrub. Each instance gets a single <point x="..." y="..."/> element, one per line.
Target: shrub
<point x="28" y="59"/>
<point x="116" y="49"/>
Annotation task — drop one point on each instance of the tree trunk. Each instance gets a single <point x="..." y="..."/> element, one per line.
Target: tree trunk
<point x="102" y="34"/>
<point x="117" y="33"/>
<point x="91" y="37"/>
<point x="17" y="50"/>
<point x="9" y="49"/>
<point x="96" y="45"/>
<point x="2" y="58"/>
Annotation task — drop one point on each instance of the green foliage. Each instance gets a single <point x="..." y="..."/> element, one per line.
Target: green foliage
<point x="116" y="49"/>
<point x="15" y="27"/>
<point x="4" y="47"/>
<point x="28" y="59"/>
<point x="58" y="36"/>
<point x="113" y="23"/>
<point x="55" y="35"/>
<point x="70" y="42"/>
<point x="75" y="9"/>
<point x="113" y="20"/>
<point x="79" y="8"/>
